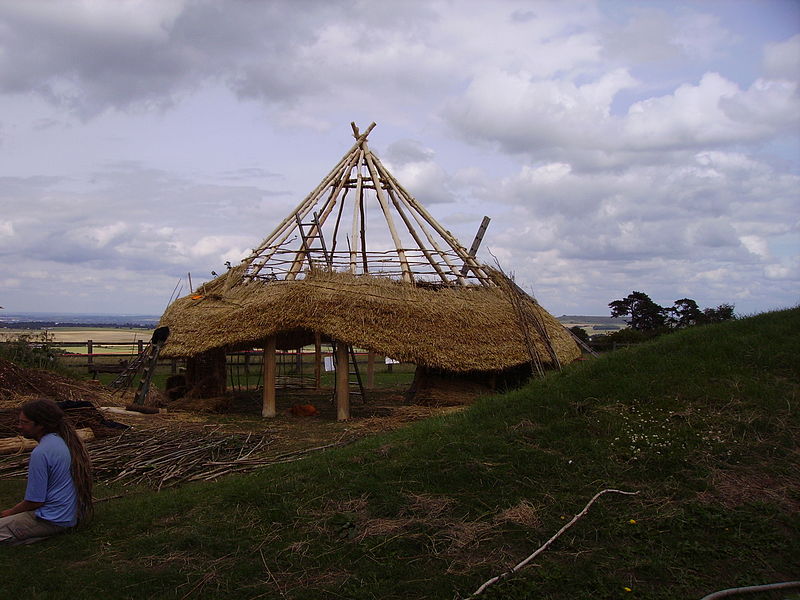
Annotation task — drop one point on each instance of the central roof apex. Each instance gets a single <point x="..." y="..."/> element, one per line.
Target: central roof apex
<point x="360" y="219"/>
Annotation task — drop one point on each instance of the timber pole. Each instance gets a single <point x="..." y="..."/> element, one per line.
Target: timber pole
<point x="370" y="369"/>
<point x="317" y="360"/>
<point x="268" y="408"/>
<point x="342" y="382"/>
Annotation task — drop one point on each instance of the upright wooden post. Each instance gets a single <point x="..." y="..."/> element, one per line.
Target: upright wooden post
<point x="317" y="360"/>
<point x="89" y="354"/>
<point x="342" y="383"/>
<point x="370" y="369"/>
<point x="268" y="408"/>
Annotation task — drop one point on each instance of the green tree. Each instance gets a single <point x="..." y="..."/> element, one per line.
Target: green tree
<point x="580" y="333"/>
<point x="723" y="312"/>
<point x="645" y="315"/>
<point x="685" y="313"/>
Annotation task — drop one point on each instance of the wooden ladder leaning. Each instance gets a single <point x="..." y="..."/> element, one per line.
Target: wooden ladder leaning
<point x="145" y="364"/>
<point x="314" y="232"/>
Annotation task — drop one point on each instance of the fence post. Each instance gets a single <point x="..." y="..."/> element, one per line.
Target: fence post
<point x="89" y="353"/>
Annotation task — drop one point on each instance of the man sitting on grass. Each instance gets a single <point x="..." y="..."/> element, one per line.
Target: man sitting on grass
<point x="59" y="491"/>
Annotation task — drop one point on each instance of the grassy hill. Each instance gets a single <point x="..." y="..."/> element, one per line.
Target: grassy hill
<point x="703" y="424"/>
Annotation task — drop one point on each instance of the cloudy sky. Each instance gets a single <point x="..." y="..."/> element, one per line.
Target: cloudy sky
<point x="616" y="145"/>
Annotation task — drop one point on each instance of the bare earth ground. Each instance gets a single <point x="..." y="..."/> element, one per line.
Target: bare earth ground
<point x="384" y="410"/>
<point x="201" y="439"/>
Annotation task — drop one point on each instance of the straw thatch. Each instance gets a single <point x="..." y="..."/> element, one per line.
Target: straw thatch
<point x="420" y="298"/>
<point x="456" y="329"/>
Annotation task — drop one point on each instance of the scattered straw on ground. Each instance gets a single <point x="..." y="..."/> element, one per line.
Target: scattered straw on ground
<point x="19" y="383"/>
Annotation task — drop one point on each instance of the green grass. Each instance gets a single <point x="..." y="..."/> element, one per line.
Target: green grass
<point x="702" y="423"/>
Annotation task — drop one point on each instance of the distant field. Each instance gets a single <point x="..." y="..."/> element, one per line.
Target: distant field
<point x="593" y="325"/>
<point x="80" y="334"/>
<point x="597" y="328"/>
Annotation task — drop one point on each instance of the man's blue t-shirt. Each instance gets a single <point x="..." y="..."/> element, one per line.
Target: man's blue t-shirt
<point x="50" y="481"/>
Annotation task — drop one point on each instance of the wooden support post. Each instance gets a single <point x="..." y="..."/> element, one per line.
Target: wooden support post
<point x="268" y="407"/>
<point x="317" y="360"/>
<point x="342" y="382"/>
<point x="370" y="369"/>
<point x="89" y="354"/>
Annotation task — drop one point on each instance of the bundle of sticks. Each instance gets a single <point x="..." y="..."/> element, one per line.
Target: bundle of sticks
<point x="165" y="457"/>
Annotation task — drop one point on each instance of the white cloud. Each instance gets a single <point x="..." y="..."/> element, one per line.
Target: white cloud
<point x="615" y="146"/>
<point x="756" y="245"/>
<point x="782" y="59"/>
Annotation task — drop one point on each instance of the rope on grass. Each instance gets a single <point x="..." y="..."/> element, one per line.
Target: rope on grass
<point x="752" y="589"/>
<point x="544" y="546"/>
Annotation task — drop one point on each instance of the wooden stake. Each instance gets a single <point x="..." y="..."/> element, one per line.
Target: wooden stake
<point x="371" y="369"/>
<point x="268" y="408"/>
<point x="317" y="360"/>
<point x="342" y="382"/>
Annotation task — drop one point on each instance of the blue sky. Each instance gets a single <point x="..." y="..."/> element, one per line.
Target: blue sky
<point x="617" y="146"/>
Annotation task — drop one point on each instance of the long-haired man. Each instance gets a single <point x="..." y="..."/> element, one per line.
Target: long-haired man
<point x="59" y="491"/>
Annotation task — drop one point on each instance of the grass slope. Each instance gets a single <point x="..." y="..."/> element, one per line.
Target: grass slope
<point x="702" y="423"/>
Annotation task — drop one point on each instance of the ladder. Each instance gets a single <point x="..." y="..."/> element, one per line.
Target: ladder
<point x="145" y="364"/>
<point x="355" y="383"/>
<point x="314" y="232"/>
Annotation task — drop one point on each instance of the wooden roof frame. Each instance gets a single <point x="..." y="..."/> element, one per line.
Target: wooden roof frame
<point x="435" y="250"/>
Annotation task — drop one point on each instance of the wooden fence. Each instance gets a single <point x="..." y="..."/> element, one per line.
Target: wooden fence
<point x="296" y="368"/>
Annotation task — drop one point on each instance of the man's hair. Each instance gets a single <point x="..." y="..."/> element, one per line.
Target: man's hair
<point x="48" y="414"/>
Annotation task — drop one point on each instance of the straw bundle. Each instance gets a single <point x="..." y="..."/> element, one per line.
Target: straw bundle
<point x="457" y="329"/>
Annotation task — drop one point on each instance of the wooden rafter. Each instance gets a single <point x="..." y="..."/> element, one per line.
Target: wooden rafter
<point x="432" y="251"/>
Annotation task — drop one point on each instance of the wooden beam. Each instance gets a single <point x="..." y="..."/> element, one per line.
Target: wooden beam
<point x="410" y="226"/>
<point x="357" y="210"/>
<point x="325" y="210"/>
<point x="443" y="233"/>
<point x="317" y="360"/>
<point x="404" y="197"/>
<point x="268" y="407"/>
<point x="284" y="229"/>
<point x="473" y="250"/>
<point x="371" y="369"/>
<point x="342" y="382"/>
<point x="373" y="172"/>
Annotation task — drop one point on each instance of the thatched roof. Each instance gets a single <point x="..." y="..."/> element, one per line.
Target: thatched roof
<point x="404" y="287"/>
<point x="457" y="329"/>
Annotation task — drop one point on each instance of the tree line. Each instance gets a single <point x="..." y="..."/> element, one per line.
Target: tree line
<point x="647" y="319"/>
